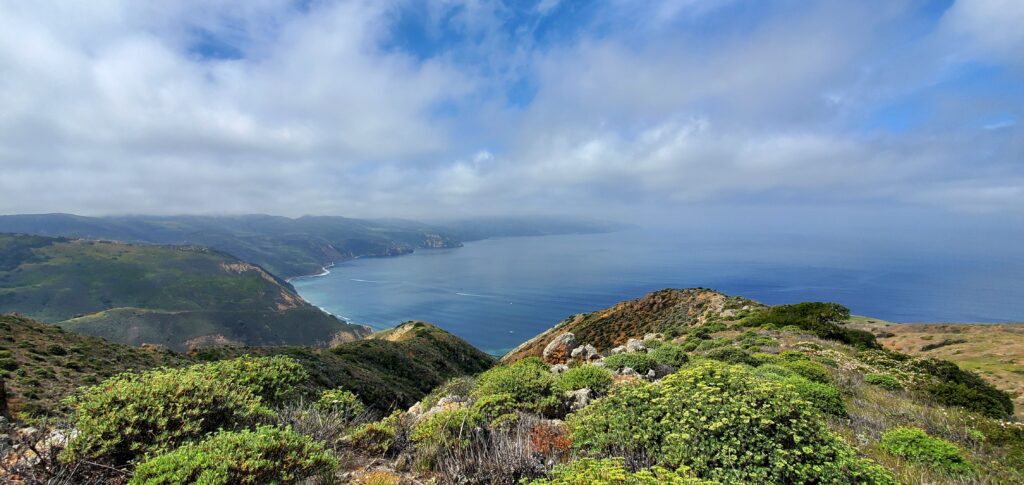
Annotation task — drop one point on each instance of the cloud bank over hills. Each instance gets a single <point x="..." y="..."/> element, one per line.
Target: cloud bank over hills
<point x="476" y="107"/>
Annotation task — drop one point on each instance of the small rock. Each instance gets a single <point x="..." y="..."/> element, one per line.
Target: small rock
<point x="634" y="345"/>
<point x="585" y="352"/>
<point x="618" y="350"/>
<point x="627" y="371"/>
<point x="598" y="363"/>
<point x="578" y="399"/>
<point x="560" y="349"/>
<point x="417" y="408"/>
<point x="559" y="368"/>
<point x="653" y="336"/>
<point x="651" y="374"/>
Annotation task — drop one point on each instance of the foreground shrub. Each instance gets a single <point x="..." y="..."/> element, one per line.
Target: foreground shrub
<point x="597" y="379"/>
<point x="936" y="453"/>
<point x="459" y="387"/>
<point x="725" y="424"/>
<point x="496" y="409"/>
<point x="731" y="355"/>
<point x="587" y="471"/>
<point x="527" y="381"/>
<point x="266" y="455"/>
<point x="445" y="428"/>
<point x="809" y="370"/>
<point x="670" y="354"/>
<point x="274" y="379"/>
<point x="378" y="437"/>
<point x="884" y="381"/>
<point x="825" y="397"/>
<point x="342" y="402"/>
<point x="129" y="415"/>
<point x="638" y="361"/>
<point x="954" y="386"/>
<point x="821" y="319"/>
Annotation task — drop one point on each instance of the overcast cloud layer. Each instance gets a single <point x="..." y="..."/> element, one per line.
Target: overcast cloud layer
<point x="462" y="107"/>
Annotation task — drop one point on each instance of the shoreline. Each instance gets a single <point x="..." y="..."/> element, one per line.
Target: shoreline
<point x="324" y="271"/>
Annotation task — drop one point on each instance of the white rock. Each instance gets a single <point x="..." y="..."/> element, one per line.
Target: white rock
<point x="559" y="350"/>
<point x="634" y="345"/>
<point x="559" y="368"/>
<point x="578" y="399"/>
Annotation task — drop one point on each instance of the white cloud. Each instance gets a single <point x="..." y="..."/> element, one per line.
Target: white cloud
<point x="109" y="107"/>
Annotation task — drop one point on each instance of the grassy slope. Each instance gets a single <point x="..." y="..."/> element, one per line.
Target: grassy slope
<point x="393" y="368"/>
<point x="284" y="246"/>
<point x="661" y="311"/>
<point x="996" y="447"/>
<point x="994" y="351"/>
<point x="155" y="294"/>
<point x="41" y="363"/>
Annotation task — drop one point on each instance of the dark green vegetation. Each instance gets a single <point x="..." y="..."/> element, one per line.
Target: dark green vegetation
<point x="740" y="394"/>
<point x="394" y="368"/>
<point x="266" y="455"/>
<point x="41" y="363"/>
<point x="824" y="320"/>
<point x="290" y="247"/>
<point x="724" y="424"/>
<point x="915" y="445"/>
<point x="672" y="312"/>
<point x="179" y="297"/>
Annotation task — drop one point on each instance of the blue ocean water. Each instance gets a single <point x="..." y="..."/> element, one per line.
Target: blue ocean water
<point x="497" y="293"/>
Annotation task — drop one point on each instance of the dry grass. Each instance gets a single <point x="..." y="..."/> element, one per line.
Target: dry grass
<point x="994" y="351"/>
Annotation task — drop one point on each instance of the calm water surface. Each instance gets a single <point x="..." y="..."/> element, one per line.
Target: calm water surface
<point x="498" y="292"/>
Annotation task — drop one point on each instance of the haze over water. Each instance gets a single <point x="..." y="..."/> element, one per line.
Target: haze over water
<point x="497" y="293"/>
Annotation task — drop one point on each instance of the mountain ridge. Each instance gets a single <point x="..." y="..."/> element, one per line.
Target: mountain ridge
<point x="167" y="295"/>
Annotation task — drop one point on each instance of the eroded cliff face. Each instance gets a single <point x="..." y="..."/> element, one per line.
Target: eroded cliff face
<point x="656" y="312"/>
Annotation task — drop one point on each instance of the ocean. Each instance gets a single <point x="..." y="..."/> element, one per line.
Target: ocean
<point x="496" y="293"/>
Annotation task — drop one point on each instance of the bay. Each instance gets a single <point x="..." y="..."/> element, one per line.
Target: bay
<point x="496" y="293"/>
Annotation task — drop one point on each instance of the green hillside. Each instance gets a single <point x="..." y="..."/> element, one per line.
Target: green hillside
<point x="681" y="386"/>
<point x="286" y="247"/>
<point x="393" y="368"/>
<point x="173" y="296"/>
<point x="290" y="247"/>
<point x="41" y="364"/>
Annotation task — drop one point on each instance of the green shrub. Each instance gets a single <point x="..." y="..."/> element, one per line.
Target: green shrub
<point x="496" y="409"/>
<point x="822" y="319"/>
<point x="765" y="358"/>
<point x="457" y="386"/>
<point x="273" y="379"/>
<point x="936" y="453"/>
<point x="671" y="355"/>
<point x="653" y="343"/>
<point x="612" y="471"/>
<point x="597" y="379"/>
<point x="884" y="381"/>
<point x="731" y="355"/>
<point x="129" y="415"/>
<point x="446" y="429"/>
<point x="377" y="437"/>
<point x="341" y="401"/>
<point x="266" y="455"/>
<point x="954" y="386"/>
<point x="713" y="343"/>
<point x="809" y="370"/>
<point x="726" y="424"/>
<point x="528" y="381"/>
<point x="638" y="361"/>
<point x="825" y="397"/>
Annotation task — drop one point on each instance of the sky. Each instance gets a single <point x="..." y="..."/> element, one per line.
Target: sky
<point x="627" y="110"/>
